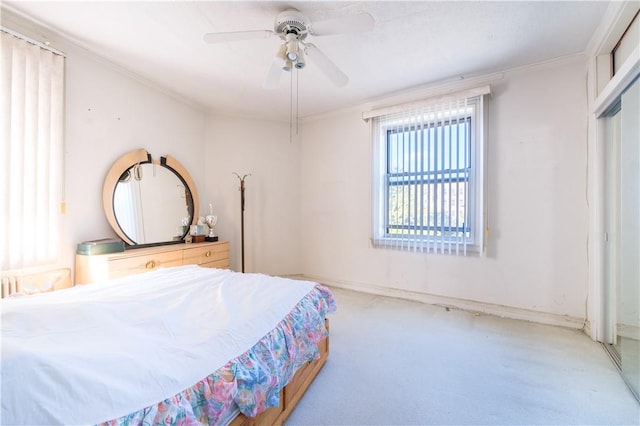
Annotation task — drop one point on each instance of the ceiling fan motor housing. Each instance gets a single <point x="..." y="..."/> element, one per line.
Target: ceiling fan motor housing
<point x="291" y="22"/>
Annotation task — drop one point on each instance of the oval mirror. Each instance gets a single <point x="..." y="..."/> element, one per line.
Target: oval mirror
<point x="149" y="202"/>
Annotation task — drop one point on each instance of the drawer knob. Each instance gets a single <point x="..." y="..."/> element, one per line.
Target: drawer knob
<point x="150" y="264"/>
<point x="208" y="254"/>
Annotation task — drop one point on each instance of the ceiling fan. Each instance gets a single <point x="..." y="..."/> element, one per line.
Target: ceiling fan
<point x="293" y="27"/>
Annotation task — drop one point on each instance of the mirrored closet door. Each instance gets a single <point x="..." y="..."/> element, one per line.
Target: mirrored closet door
<point x="622" y="199"/>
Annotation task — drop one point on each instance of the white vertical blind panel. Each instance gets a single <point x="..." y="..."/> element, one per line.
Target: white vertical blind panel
<point x="56" y="154"/>
<point x="406" y="191"/>
<point x="480" y="175"/>
<point x="32" y="133"/>
<point x="449" y="165"/>
<point x="32" y="121"/>
<point x="17" y="92"/>
<point x="5" y="142"/>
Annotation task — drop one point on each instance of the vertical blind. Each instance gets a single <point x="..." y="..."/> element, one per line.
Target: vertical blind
<point x="31" y="153"/>
<point x="428" y="174"/>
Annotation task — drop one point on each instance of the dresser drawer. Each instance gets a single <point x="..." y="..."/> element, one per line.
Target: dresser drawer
<point x="211" y="255"/>
<point x="220" y="264"/>
<point x="137" y="264"/>
<point x="103" y="267"/>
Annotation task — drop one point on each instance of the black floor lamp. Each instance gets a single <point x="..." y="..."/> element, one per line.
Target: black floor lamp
<point x="242" y="214"/>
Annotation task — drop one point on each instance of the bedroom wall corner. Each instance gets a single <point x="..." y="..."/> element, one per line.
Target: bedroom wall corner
<point x="537" y="156"/>
<point x="272" y="196"/>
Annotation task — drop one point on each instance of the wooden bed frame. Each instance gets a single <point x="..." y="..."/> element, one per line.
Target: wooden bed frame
<point x="292" y="392"/>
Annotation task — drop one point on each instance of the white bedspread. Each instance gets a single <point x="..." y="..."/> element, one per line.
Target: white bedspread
<point x="100" y="351"/>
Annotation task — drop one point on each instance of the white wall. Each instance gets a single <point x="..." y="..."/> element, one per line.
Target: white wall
<point x="536" y="258"/>
<point x="272" y="211"/>
<point x="110" y="112"/>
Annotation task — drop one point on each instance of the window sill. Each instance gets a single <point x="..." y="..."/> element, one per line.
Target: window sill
<point x="430" y="247"/>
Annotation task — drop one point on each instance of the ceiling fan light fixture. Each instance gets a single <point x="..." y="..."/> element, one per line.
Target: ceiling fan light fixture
<point x="292" y="47"/>
<point x="301" y="63"/>
<point x="287" y="65"/>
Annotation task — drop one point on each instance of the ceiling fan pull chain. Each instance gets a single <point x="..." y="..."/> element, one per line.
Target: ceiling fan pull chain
<point x="291" y="109"/>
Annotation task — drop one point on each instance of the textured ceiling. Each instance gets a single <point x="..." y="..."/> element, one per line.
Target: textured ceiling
<point x="413" y="44"/>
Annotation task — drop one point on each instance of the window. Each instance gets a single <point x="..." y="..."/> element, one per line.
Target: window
<point x="31" y="153"/>
<point x="428" y="177"/>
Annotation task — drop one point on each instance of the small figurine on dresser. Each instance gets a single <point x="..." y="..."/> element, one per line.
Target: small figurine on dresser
<point x="211" y="220"/>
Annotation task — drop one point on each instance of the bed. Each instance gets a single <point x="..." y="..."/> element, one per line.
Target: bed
<point x="184" y="345"/>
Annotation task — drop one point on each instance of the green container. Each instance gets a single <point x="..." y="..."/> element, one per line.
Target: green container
<point x="107" y="245"/>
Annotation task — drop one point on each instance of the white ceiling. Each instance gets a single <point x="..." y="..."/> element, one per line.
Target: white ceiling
<point x="414" y="43"/>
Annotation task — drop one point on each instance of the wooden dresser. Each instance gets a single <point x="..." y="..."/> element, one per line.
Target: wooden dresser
<point x="103" y="267"/>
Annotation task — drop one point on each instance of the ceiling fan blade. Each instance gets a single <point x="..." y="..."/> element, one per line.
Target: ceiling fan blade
<point x="237" y="36"/>
<point x="344" y="25"/>
<point x="329" y="69"/>
<point x="273" y="76"/>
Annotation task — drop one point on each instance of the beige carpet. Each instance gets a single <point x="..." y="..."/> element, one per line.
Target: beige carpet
<point x="396" y="362"/>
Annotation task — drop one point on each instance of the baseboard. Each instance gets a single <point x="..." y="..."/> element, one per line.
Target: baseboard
<point x="587" y="329"/>
<point x="462" y="304"/>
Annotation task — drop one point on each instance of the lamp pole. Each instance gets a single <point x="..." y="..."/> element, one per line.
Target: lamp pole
<point x="242" y="215"/>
